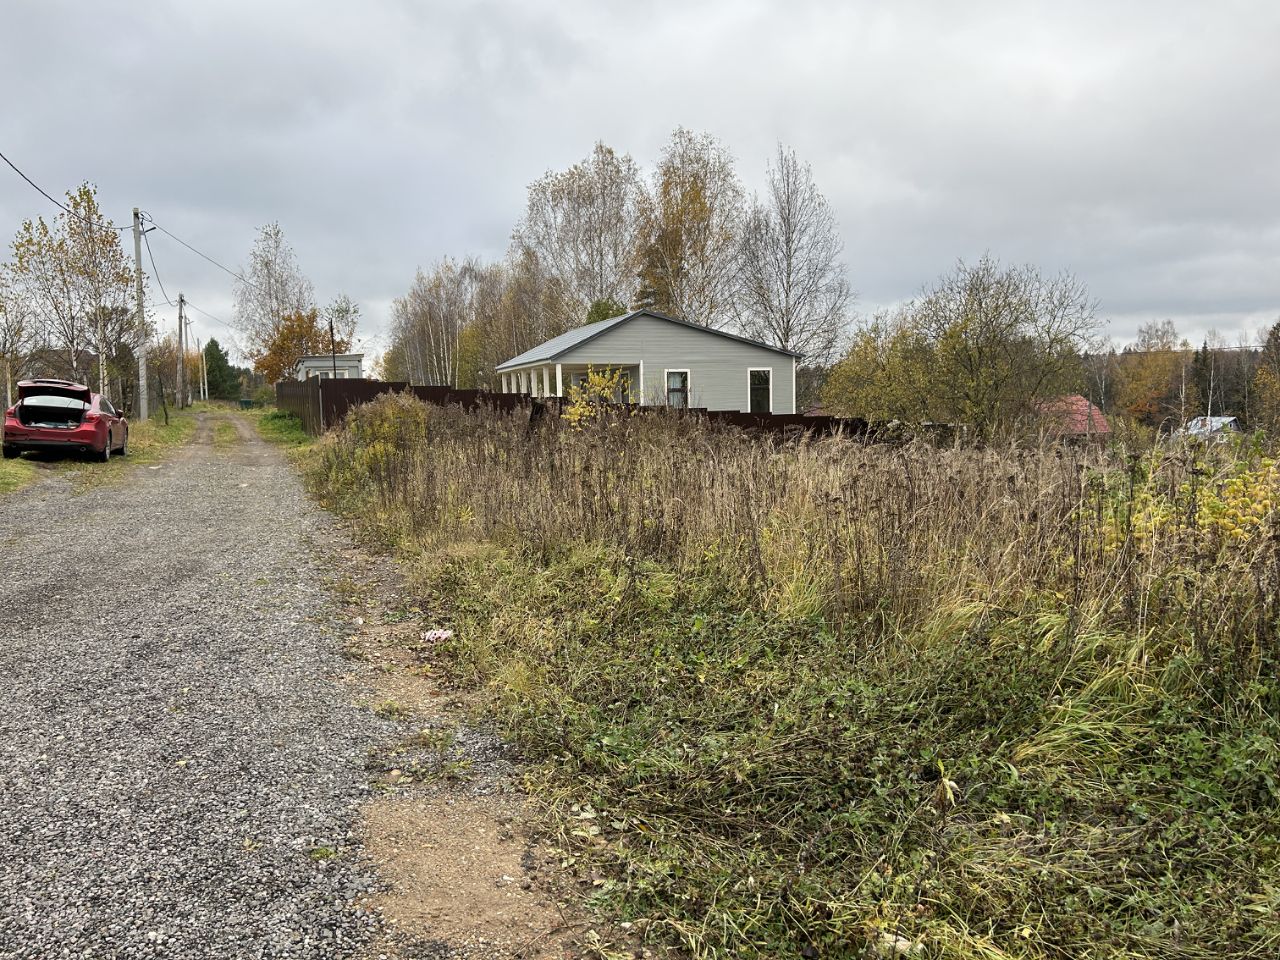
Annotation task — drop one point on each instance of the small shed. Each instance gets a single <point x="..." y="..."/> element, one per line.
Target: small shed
<point x="343" y="366"/>
<point x="663" y="362"/>
<point x="1205" y="428"/>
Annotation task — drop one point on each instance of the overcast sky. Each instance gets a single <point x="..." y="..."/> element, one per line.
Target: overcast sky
<point x="1136" y="144"/>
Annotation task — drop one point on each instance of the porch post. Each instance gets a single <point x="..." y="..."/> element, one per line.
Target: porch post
<point x="504" y="384"/>
<point x="559" y="381"/>
<point x="640" y="395"/>
<point x="546" y="381"/>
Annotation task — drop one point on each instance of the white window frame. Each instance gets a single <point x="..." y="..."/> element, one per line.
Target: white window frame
<point x="688" y="386"/>
<point x="750" y="371"/>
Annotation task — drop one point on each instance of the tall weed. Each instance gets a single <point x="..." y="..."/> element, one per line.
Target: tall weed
<point x="819" y="697"/>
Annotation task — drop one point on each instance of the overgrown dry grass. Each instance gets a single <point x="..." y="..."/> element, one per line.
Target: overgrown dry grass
<point x="818" y="698"/>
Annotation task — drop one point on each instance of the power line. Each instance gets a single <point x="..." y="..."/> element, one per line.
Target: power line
<point x="57" y="203"/>
<point x="156" y="273"/>
<point x="210" y="315"/>
<point x="151" y="220"/>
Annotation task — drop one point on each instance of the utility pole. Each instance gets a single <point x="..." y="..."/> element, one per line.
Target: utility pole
<point x="182" y="356"/>
<point x="142" y="316"/>
<point x="204" y="372"/>
<point x="333" y="348"/>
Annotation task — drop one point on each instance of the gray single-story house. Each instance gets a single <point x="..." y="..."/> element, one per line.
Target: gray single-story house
<point x="349" y="366"/>
<point x="663" y="361"/>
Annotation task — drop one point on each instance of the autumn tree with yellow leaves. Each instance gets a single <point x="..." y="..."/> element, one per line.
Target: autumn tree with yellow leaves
<point x="691" y="223"/>
<point x="299" y="334"/>
<point x="68" y="298"/>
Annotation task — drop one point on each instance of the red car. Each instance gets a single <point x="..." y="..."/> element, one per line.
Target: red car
<point x="61" y="415"/>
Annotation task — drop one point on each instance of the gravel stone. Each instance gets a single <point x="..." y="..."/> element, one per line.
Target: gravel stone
<point x="172" y="742"/>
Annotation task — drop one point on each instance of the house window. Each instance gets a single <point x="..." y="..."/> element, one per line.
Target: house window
<point x="678" y="388"/>
<point x="760" y="390"/>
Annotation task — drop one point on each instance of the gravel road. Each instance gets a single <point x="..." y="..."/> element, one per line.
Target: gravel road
<point x="176" y="762"/>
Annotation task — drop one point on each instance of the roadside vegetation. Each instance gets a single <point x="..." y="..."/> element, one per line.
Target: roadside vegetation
<point x="15" y="474"/>
<point x="820" y="698"/>
<point x="281" y="427"/>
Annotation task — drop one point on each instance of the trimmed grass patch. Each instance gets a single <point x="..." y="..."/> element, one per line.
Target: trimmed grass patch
<point x="15" y="474"/>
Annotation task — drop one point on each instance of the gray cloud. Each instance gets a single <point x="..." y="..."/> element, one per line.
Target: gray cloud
<point x="1134" y="144"/>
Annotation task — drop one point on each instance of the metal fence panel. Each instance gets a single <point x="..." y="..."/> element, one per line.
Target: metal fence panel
<point x="322" y="403"/>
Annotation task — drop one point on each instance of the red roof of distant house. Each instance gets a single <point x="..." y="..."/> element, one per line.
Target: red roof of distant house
<point x="1075" y="416"/>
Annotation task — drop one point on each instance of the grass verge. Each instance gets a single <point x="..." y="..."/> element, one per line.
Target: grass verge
<point x="280" y="427"/>
<point x="15" y="474"/>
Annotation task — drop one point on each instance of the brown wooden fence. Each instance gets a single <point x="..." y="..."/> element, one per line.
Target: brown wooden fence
<point x="322" y="403"/>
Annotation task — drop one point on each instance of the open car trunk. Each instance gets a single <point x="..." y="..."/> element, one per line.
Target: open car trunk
<point x="52" y="412"/>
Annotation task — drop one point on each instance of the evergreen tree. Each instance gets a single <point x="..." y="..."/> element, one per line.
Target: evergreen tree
<point x="605" y="308"/>
<point x="223" y="382"/>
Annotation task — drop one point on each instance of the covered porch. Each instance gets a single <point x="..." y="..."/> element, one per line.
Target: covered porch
<point x="555" y="379"/>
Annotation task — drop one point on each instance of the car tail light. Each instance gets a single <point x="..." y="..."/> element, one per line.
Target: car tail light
<point x="11" y="413"/>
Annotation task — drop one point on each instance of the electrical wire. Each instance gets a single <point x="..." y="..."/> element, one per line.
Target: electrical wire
<point x="150" y="256"/>
<point x="209" y="315"/>
<point x="62" y="206"/>
<point x="186" y="302"/>
<point x="156" y="273"/>
<point x="151" y="220"/>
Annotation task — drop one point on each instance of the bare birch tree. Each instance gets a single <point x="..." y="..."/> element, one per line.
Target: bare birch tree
<point x="582" y="226"/>
<point x="691" y="220"/>
<point x="273" y="288"/>
<point x="794" y="292"/>
<point x="429" y="320"/>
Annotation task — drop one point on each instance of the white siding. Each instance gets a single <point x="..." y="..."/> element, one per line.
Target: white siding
<point x="717" y="365"/>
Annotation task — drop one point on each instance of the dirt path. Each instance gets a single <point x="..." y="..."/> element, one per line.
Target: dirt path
<point x="183" y="748"/>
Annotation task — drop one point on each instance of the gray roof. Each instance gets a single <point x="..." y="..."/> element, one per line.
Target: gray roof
<point x="1203" y="426"/>
<point x="557" y="347"/>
